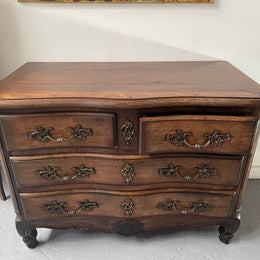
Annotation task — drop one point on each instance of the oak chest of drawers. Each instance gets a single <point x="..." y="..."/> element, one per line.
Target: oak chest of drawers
<point x="127" y="147"/>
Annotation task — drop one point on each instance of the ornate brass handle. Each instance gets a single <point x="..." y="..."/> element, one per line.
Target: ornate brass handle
<point x="198" y="206"/>
<point x="203" y="173"/>
<point x="215" y="139"/>
<point x="50" y="173"/>
<point x="59" y="207"/>
<point x="43" y="135"/>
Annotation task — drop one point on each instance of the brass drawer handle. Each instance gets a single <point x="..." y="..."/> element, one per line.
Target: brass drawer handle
<point x="203" y="173"/>
<point x="50" y="173"/>
<point x="128" y="206"/>
<point x="171" y="205"/>
<point x="215" y="139"/>
<point x="128" y="173"/>
<point x="59" y="207"/>
<point x="43" y="135"/>
<point x="127" y="129"/>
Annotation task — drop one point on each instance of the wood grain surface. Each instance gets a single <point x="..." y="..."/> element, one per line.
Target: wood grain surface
<point x="154" y="131"/>
<point x="16" y="130"/>
<point x="110" y="204"/>
<point x="108" y="170"/>
<point x="128" y="81"/>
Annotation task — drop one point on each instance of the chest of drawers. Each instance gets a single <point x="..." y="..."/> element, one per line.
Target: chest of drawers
<point x="127" y="147"/>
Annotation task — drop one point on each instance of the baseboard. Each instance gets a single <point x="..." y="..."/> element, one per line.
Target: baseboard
<point x="255" y="172"/>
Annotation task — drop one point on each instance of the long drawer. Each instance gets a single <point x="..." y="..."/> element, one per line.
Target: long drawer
<point x="190" y="133"/>
<point x="26" y="132"/>
<point x="125" y="170"/>
<point x="78" y="203"/>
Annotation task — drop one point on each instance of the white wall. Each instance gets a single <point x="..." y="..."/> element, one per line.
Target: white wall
<point x="228" y="30"/>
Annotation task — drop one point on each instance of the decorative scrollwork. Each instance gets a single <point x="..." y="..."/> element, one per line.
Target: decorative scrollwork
<point x="50" y="173"/>
<point x="203" y="173"/>
<point x="215" y="139"/>
<point x="171" y="171"/>
<point x="168" y="205"/>
<point x="43" y="135"/>
<point x="198" y="206"/>
<point x="128" y="206"/>
<point x="128" y="173"/>
<point x="127" y="129"/>
<point x="59" y="207"/>
<point x="56" y="207"/>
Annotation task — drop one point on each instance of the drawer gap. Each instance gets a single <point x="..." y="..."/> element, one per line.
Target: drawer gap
<point x="226" y="111"/>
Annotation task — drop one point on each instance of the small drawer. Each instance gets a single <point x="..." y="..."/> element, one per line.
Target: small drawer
<point x="55" y="130"/>
<point x="215" y="134"/>
<point x="41" y="205"/>
<point x="121" y="170"/>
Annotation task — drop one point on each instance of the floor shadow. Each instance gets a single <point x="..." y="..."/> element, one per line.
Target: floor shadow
<point x="250" y="212"/>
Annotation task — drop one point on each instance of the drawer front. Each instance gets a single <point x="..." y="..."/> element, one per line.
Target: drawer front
<point x="93" y="170"/>
<point x="126" y="205"/>
<point x="220" y="134"/>
<point x="50" y="131"/>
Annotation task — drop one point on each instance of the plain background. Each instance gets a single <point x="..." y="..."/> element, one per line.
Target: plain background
<point x="227" y="30"/>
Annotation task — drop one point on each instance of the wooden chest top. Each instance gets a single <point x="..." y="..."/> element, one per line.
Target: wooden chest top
<point x="131" y="83"/>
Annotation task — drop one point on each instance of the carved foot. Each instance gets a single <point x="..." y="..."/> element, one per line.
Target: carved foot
<point x="28" y="232"/>
<point x="2" y="192"/>
<point x="226" y="232"/>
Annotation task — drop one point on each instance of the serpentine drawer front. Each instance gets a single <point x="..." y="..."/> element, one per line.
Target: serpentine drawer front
<point x="127" y="147"/>
<point x="67" y="170"/>
<point x="50" y="131"/>
<point x="101" y="204"/>
<point x="224" y="134"/>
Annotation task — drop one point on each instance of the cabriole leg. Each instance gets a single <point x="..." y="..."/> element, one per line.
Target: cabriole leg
<point x="28" y="232"/>
<point x="2" y="192"/>
<point x="226" y="232"/>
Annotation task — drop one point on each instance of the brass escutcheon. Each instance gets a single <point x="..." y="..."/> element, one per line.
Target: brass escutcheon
<point x="127" y="129"/>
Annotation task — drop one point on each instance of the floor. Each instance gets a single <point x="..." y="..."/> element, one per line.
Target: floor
<point x="180" y="243"/>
